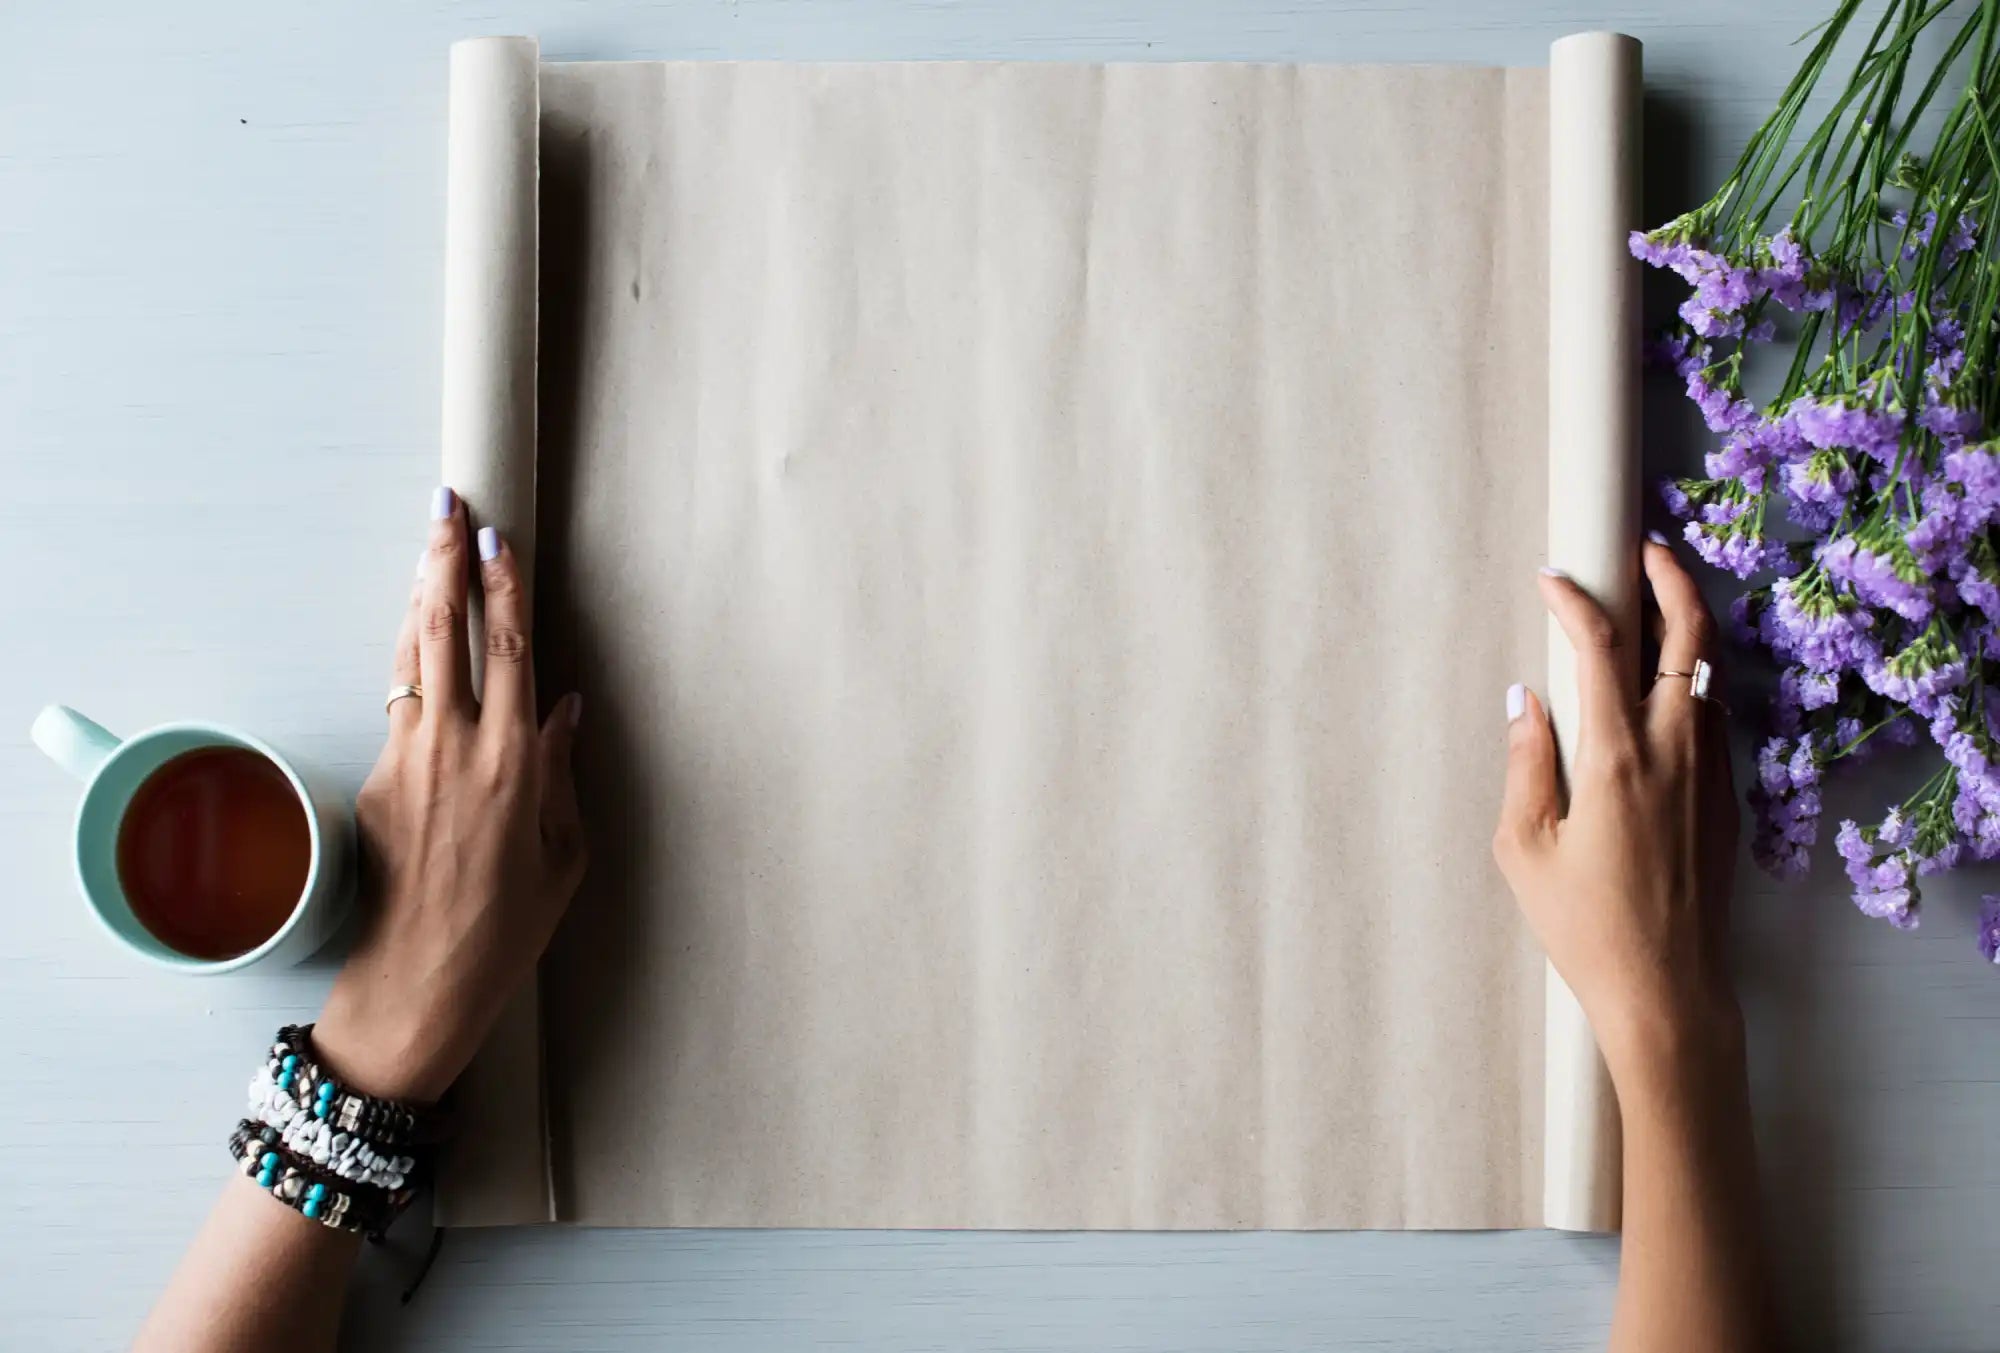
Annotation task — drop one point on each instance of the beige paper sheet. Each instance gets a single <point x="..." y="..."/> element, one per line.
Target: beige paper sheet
<point x="1042" y="547"/>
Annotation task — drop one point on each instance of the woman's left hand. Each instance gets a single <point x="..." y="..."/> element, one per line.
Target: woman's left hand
<point x="469" y="827"/>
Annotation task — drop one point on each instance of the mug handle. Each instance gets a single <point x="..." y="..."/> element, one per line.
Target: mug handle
<point x="73" y="742"/>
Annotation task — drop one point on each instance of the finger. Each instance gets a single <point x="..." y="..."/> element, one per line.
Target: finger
<point x="404" y="667"/>
<point x="508" y="693"/>
<point x="1687" y="629"/>
<point x="1532" y="799"/>
<point x="562" y="823"/>
<point x="443" y="660"/>
<point x="1600" y="655"/>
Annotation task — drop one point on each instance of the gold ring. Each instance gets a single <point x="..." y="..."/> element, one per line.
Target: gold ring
<point x="1699" y="682"/>
<point x="396" y="693"/>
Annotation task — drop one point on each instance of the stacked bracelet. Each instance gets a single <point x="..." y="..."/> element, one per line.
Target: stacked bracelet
<point x="313" y="1193"/>
<point x="384" y="1122"/>
<point x="333" y="1154"/>
<point x="347" y="1154"/>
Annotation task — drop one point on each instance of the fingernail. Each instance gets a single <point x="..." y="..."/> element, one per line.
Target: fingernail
<point x="575" y="710"/>
<point x="489" y="543"/>
<point x="1517" y="701"/>
<point x="1551" y="571"/>
<point x="1659" y="538"/>
<point x="423" y="560"/>
<point x="442" y="502"/>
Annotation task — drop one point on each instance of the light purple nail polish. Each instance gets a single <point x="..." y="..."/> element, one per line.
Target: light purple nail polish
<point x="423" y="562"/>
<point x="1659" y="538"/>
<point x="1551" y="571"/>
<point x="1517" y="701"/>
<point x="489" y="543"/>
<point x="442" y="502"/>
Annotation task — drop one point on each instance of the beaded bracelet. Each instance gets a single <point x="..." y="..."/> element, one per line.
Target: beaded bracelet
<point x="309" y="1191"/>
<point x="347" y="1154"/>
<point x="385" y="1122"/>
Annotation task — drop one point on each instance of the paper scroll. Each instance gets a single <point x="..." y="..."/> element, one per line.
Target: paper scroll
<point x="1593" y="517"/>
<point x="496" y="1174"/>
<point x="1043" y="547"/>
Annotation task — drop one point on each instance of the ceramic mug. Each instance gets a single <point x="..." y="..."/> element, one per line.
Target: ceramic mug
<point x="112" y="770"/>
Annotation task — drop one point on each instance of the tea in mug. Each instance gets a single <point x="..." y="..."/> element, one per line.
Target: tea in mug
<point x="213" y="852"/>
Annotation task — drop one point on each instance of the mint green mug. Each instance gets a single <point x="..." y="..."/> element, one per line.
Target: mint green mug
<point x="112" y="770"/>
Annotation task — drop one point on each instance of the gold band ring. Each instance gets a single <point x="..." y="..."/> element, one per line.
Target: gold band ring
<point x="1699" y="682"/>
<point x="402" y="693"/>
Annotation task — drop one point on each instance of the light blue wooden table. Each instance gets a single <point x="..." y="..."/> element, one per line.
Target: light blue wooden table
<point x="220" y="232"/>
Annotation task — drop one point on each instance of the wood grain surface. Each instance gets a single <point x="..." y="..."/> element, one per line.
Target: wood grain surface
<point x="220" y="284"/>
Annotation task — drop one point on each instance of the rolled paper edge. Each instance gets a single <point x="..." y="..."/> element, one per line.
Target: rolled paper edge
<point x="496" y="1172"/>
<point x="1593" y="530"/>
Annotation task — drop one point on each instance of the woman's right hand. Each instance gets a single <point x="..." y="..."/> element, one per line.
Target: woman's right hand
<point x="1628" y="891"/>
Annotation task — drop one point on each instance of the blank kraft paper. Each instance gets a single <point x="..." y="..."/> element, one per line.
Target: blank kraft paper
<point x="1043" y="547"/>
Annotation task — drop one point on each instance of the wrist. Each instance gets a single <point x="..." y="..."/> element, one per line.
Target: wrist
<point x="1660" y="1045"/>
<point x="387" y="1054"/>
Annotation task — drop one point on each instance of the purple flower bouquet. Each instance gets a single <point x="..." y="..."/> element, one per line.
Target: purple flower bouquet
<point x="1861" y="500"/>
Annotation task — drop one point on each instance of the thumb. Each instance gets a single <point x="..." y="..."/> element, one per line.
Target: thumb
<point x="1531" y="802"/>
<point x="562" y="824"/>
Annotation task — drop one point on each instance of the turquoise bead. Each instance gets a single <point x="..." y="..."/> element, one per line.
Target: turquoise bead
<point x="291" y="1062"/>
<point x="266" y="1179"/>
<point x="326" y="1090"/>
<point x="319" y="1109"/>
<point x="270" y="1161"/>
<point x="311" y="1209"/>
<point x="315" y="1193"/>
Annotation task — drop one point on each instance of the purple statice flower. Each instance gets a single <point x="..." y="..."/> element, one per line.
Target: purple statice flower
<point x="1964" y="238"/>
<point x="1913" y="240"/>
<point x="1989" y="928"/>
<point x="1785" y="807"/>
<point x="1752" y="446"/>
<point x="1722" y="407"/>
<point x="1886" y="575"/>
<point x="1808" y="689"/>
<point x="1839" y="423"/>
<point x="1975" y="576"/>
<point x="1950" y="423"/>
<point x="1727" y="288"/>
<point x="1817" y="489"/>
<point x="1710" y="323"/>
<point x="1939" y="536"/>
<point x="1667" y="351"/>
<point x="1859" y="305"/>
<point x="1788" y="258"/>
<point x="1745" y="614"/>
<point x="1790" y="279"/>
<point x="1884" y="891"/>
<point x="1676" y="499"/>
<point x="1730" y="546"/>
<point x="1919" y="676"/>
<point x="1942" y="860"/>
<point x="1977" y="820"/>
<point x="1815" y="627"/>
<point x="1945" y="345"/>
<point x="1852" y="844"/>
<point x="1975" y="468"/>
<point x="1672" y="247"/>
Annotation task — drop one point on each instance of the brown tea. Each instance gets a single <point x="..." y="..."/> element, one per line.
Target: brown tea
<point x="213" y="852"/>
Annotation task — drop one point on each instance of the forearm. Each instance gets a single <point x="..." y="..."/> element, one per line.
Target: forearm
<point x="259" y="1277"/>
<point x="1692" y="1266"/>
